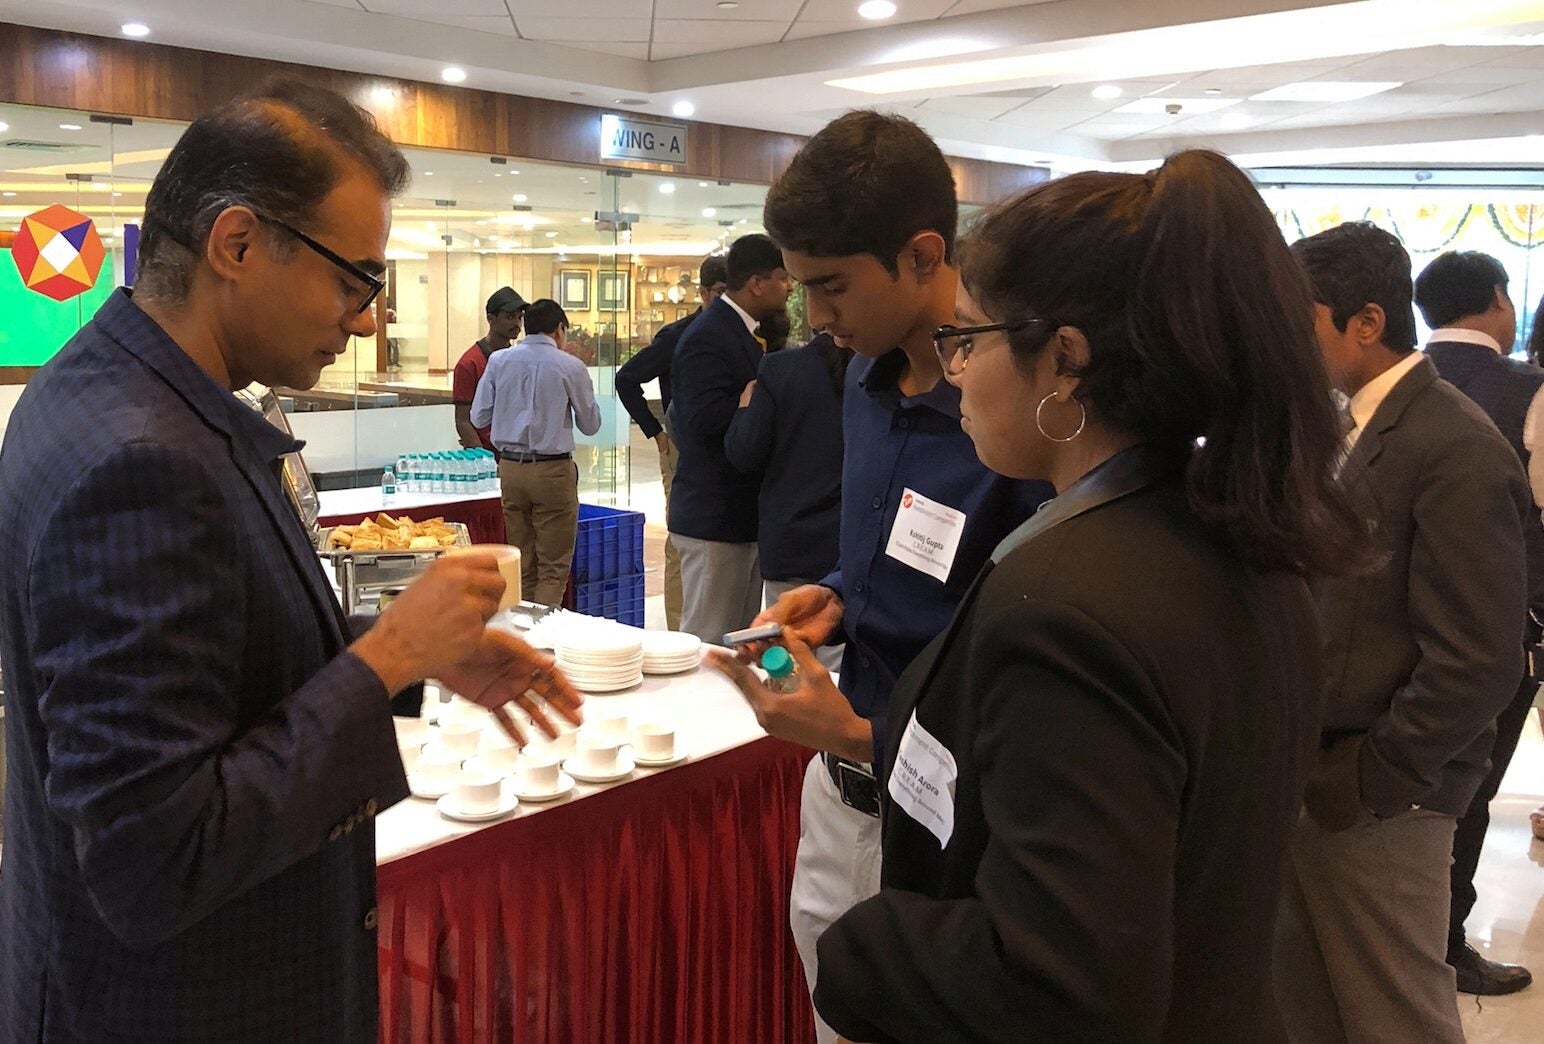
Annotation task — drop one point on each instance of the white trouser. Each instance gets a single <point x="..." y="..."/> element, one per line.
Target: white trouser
<point x="837" y="868"/>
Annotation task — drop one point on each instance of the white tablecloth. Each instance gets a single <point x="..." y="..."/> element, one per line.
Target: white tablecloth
<point x="367" y="500"/>
<point x="709" y="715"/>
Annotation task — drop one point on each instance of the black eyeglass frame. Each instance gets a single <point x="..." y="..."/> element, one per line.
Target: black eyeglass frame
<point x="374" y="283"/>
<point x="944" y="332"/>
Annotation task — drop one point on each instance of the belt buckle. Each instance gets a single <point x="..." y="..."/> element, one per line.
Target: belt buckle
<point x="858" y="789"/>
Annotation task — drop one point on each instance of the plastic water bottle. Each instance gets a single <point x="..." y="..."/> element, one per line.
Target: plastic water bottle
<point x="388" y="486"/>
<point x="490" y="472"/>
<point x="421" y="472"/>
<point x="463" y="474"/>
<point x="782" y="675"/>
<point x="404" y="474"/>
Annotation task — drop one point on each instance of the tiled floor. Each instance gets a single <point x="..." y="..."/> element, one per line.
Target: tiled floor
<point x="1508" y="921"/>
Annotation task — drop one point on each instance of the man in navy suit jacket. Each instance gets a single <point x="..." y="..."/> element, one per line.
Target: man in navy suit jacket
<point x="712" y="505"/>
<point x="196" y="748"/>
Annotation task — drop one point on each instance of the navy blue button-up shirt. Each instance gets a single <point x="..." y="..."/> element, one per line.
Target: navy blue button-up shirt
<point x="894" y="443"/>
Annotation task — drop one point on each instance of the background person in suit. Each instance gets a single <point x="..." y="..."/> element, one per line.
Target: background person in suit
<point x="1463" y="297"/>
<point x="652" y="363"/>
<point x="789" y="430"/>
<point x="1091" y="774"/>
<point x="712" y="504"/>
<point x="1423" y="654"/>
<point x="197" y="749"/>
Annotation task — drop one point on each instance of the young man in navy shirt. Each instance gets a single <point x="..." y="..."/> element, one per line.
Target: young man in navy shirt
<point x="920" y="513"/>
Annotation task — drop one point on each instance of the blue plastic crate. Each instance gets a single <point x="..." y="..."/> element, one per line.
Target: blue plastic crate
<point x="609" y="544"/>
<point x="619" y="599"/>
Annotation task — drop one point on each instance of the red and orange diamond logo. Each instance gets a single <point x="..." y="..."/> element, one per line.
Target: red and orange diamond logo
<point x="58" y="253"/>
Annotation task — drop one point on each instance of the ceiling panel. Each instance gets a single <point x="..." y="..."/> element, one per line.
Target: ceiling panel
<point x="963" y="7"/>
<point x="483" y="24"/>
<point x="355" y="4"/>
<point x="846" y="12"/>
<point x="1271" y="75"/>
<point x="749" y="10"/>
<point x="576" y="9"/>
<point x="639" y="49"/>
<point x="431" y="11"/>
<point x="608" y="30"/>
<point x="1078" y="98"/>
<point x="977" y="107"/>
<point x="717" y="35"/>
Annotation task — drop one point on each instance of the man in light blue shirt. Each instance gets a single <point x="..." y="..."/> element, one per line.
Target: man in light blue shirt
<point x="533" y="395"/>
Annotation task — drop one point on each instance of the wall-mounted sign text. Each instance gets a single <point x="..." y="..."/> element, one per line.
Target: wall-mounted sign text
<point x="632" y="138"/>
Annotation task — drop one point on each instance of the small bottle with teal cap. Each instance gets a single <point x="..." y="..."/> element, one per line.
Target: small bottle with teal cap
<point x="781" y="674"/>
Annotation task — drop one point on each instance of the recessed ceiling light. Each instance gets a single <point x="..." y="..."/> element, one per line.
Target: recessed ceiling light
<point x="876" y="10"/>
<point x="7" y="194"/>
<point x="552" y="235"/>
<point x="1326" y="90"/>
<point x="1106" y="91"/>
<point x="453" y="74"/>
<point x="702" y="184"/>
<point x="710" y="212"/>
<point x="1213" y="91"/>
<point x="1159" y="105"/>
<point x="117" y="194"/>
<point x="135" y="29"/>
<point x="514" y="172"/>
<point x="683" y="108"/>
<point x="728" y="5"/>
<point x="428" y="173"/>
<point x="630" y="101"/>
<point x="742" y="221"/>
<point x="520" y="197"/>
<point x="4" y="126"/>
<point x="69" y="126"/>
<point x="667" y="187"/>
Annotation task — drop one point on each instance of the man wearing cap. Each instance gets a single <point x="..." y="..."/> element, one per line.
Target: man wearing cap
<point x="506" y="309"/>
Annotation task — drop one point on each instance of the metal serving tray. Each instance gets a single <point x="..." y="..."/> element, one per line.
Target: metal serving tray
<point x="367" y="570"/>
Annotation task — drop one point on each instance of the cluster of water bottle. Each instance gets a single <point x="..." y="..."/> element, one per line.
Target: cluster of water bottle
<point x="463" y="472"/>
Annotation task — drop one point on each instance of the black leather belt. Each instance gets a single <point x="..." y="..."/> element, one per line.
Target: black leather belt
<point x="854" y="783"/>
<point x="532" y="458"/>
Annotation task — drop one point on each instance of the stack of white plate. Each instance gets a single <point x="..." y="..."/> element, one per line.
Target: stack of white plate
<point x="670" y="652"/>
<point x="601" y="659"/>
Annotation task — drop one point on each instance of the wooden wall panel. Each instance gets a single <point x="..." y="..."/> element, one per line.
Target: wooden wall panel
<point x="129" y="78"/>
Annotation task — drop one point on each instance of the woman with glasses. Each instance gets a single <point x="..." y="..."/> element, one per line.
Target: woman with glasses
<point x="1093" y="770"/>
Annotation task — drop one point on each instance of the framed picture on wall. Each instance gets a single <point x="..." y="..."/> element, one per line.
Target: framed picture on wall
<point x="574" y="289"/>
<point x="611" y="290"/>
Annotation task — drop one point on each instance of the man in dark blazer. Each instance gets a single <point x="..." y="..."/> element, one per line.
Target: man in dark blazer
<point x="1463" y="298"/>
<point x="1422" y="655"/>
<point x="652" y="363"/>
<point x="712" y="504"/>
<point x="197" y="749"/>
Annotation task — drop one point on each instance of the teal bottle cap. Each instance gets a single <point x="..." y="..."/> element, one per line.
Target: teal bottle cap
<point x="777" y="662"/>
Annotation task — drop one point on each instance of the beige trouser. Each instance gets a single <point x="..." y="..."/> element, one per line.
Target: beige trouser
<point x="667" y="464"/>
<point x="541" y="516"/>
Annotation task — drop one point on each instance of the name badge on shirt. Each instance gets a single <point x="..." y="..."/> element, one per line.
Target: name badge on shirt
<point x="922" y="781"/>
<point x="926" y="535"/>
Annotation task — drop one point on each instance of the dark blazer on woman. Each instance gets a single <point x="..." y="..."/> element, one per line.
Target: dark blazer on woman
<point x="1132" y="713"/>
<point x="791" y="434"/>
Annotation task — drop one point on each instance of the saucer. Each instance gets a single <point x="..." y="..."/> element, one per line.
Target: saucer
<point x="564" y="788"/>
<point x="644" y="762"/>
<point x="506" y="806"/>
<point x="425" y="792"/>
<point x="625" y="768"/>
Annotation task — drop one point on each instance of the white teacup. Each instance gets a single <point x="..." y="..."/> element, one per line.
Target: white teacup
<point x="561" y="747"/>
<point x="411" y="730"/>
<point x="654" y="742"/>
<point x="461" y="737"/>
<point x="608" y="722"/>
<point x="437" y="768"/>
<point x="499" y="760"/>
<point x="537" y="773"/>
<point x="409" y="750"/>
<point x="459" y="710"/>
<point x="477" y="792"/>
<point x="597" y="754"/>
<point x="509" y="569"/>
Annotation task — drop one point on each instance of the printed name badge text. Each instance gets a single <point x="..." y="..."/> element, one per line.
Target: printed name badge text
<point x="926" y="535"/>
<point x="922" y="781"/>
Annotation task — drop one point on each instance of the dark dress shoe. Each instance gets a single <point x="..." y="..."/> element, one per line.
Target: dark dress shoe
<point x="1485" y="978"/>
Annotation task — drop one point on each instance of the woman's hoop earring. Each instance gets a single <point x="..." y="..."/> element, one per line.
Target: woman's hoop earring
<point x="1082" y="419"/>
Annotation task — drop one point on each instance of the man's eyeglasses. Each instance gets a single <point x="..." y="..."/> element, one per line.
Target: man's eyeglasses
<point x="373" y="285"/>
<point x="954" y="344"/>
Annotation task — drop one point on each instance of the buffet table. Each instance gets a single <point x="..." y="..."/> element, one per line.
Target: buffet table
<point x="649" y="910"/>
<point x="483" y="516"/>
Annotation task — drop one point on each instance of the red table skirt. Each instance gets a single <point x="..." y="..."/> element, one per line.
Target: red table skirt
<point x="653" y="912"/>
<point x="483" y="518"/>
